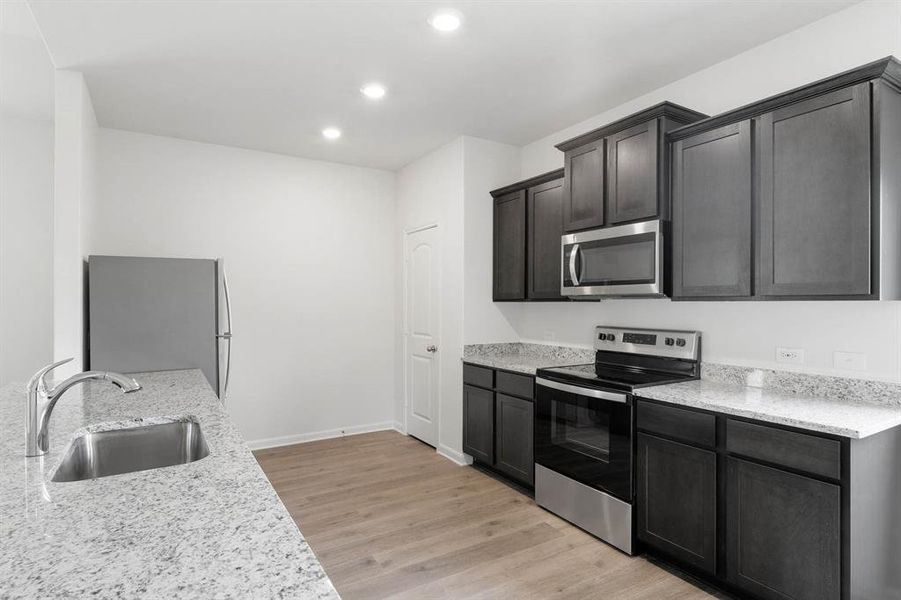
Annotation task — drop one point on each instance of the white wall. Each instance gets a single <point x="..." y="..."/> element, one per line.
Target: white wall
<point x="746" y="332"/>
<point x="486" y="166"/>
<point x="26" y="291"/>
<point x="430" y="190"/>
<point x="849" y="38"/>
<point x="73" y="194"/>
<point x="26" y="177"/>
<point x="309" y="248"/>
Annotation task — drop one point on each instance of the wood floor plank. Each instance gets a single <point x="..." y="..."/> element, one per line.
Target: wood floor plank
<point x="389" y="518"/>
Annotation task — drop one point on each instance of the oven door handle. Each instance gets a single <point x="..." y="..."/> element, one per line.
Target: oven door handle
<point x="573" y="256"/>
<point x="581" y="391"/>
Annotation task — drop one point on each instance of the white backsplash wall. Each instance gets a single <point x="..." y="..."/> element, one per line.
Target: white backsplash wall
<point x="741" y="333"/>
<point x="309" y="250"/>
<point x="746" y="333"/>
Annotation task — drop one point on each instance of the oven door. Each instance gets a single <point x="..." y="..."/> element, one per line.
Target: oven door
<point x="616" y="261"/>
<point x="585" y="434"/>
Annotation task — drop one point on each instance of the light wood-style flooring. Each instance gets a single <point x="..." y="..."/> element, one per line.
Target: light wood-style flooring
<point x="389" y="518"/>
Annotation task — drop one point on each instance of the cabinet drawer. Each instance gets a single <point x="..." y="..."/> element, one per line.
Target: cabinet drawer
<point x="686" y="425"/>
<point x="810" y="453"/>
<point x="480" y="376"/>
<point x="515" y="385"/>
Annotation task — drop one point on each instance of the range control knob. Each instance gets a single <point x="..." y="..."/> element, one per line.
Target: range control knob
<point x="602" y="336"/>
<point x="611" y="337"/>
<point x="680" y="342"/>
<point x="668" y="341"/>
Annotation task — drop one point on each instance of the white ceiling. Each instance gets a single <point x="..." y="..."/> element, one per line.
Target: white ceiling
<point x="271" y="75"/>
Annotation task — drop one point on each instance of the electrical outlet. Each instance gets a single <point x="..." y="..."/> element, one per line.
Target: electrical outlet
<point x="790" y="355"/>
<point x="550" y="335"/>
<point x="849" y="361"/>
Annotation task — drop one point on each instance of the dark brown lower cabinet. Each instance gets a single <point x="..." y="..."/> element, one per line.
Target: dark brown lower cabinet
<point x="497" y="421"/>
<point x="513" y="438"/>
<point x="769" y="512"/>
<point x="677" y="500"/>
<point x="783" y="533"/>
<point x="478" y="423"/>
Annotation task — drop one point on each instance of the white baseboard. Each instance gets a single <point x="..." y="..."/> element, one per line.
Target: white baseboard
<point x="453" y="456"/>
<point x="399" y="426"/>
<point x="287" y="440"/>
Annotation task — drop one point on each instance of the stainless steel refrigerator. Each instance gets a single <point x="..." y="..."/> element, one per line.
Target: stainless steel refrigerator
<point x="157" y="314"/>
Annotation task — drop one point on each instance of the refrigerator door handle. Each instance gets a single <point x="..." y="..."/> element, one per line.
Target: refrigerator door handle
<point x="226" y="335"/>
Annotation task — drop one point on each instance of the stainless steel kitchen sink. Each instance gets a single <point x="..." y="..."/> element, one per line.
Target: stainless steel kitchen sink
<point x="117" y="451"/>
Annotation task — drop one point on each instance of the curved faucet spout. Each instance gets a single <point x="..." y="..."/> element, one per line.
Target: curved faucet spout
<point x="38" y="418"/>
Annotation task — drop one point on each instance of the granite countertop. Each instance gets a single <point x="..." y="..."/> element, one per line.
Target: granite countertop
<point x="852" y="408"/>
<point x="213" y="528"/>
<point x="525" y="357"/>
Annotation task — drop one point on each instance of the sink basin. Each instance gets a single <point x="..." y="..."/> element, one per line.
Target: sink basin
<point x="116" y="451"/>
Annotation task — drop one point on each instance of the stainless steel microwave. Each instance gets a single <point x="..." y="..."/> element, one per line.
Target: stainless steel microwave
<point x="626" y="260"/>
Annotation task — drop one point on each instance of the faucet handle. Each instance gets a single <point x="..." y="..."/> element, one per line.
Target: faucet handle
<point x="37" y="381"/>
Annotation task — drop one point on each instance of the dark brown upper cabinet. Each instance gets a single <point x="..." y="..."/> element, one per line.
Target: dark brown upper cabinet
<point x="583" y="202"/>
<point x="712" y="214"/>
<point x="615" y="174"/>
<point x="545" y="225"/>
<point x="528" y="224"/>
<point x="510" y="246"/>
<point x="825" y="194"/>
<point x="815" y="204"/>
<point x="632" y="173"/>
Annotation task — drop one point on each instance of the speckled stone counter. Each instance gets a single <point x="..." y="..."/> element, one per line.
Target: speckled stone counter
<point x="213" y="528"/>
<point x="850" y="408"/>
<point x="525" y="358"/>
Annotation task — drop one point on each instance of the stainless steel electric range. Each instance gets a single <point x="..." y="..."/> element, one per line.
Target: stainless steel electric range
<point x="584" y="425"/>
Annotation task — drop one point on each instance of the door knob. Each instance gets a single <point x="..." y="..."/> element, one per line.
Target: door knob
<point x="431" y="349"/>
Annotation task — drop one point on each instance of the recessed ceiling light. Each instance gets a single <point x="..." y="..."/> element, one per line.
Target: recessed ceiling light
<point x="331" y="133"/>
<point x="446" y="20"/>
<point x="374" y="91"/>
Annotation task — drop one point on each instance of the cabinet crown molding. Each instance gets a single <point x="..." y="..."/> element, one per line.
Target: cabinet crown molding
<point x="674" y="112"/>
<point x="887" y="69"/>
<point x="527" y="183"/>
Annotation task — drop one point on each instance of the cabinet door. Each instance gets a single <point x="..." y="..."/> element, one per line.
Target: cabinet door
<point x="632" y="164"/>
<point x="513" y="431"/>
<point x="545" y="204"/>
<point x="583" y="191"/>
<point x="510" y="246"/>
<point x="478" y="423"/>
<point x="783" y="533"/>
<point x="677" y="500"/>
<point x="712" y="214"/>
<point x="815" y="208"/>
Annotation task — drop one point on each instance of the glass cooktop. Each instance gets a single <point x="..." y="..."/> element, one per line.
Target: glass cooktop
<point x="598" y="375"/>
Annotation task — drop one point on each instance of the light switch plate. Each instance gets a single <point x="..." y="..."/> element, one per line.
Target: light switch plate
<point x="849" y="361"/>
<point x="790" y="355"/>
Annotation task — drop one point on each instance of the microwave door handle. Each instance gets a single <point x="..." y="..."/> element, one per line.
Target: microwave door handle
<point x="573" y="256"/>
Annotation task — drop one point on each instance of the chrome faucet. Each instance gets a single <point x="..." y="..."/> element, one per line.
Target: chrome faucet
<point x="38" y="417"/>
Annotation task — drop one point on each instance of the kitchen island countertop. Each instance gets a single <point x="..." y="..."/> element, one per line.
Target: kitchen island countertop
<point x="214" y="528"/>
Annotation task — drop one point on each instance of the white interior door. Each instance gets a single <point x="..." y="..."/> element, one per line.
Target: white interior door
<point x="421" y="328"/>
